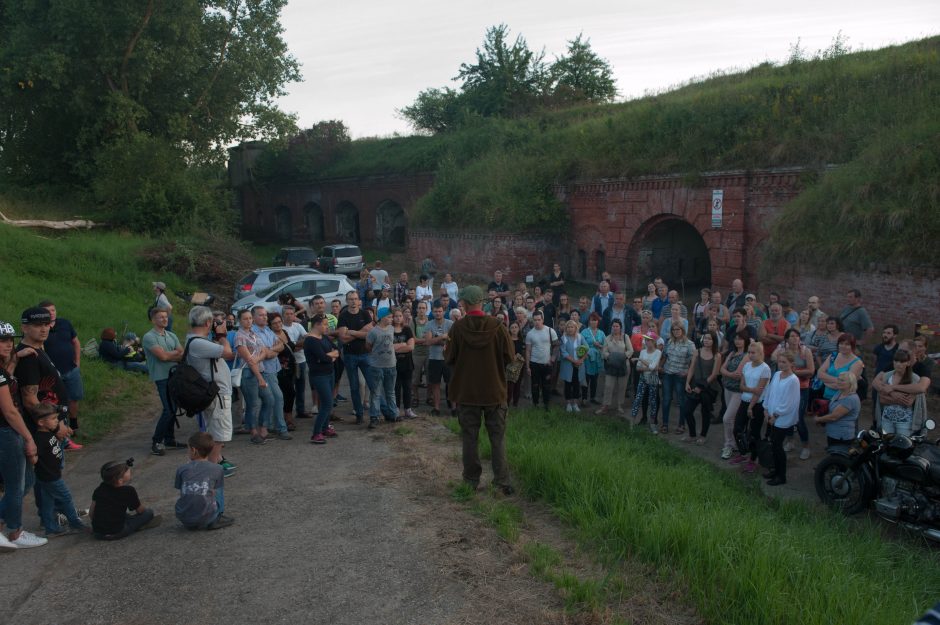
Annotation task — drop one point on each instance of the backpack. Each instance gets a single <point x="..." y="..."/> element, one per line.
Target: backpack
<point x="188" y="391"/>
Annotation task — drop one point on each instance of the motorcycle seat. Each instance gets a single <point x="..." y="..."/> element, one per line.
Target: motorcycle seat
<point x="931" y="454"/>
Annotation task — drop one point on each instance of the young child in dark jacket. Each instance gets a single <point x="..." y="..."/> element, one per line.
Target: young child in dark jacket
<point x="54" y="495"/>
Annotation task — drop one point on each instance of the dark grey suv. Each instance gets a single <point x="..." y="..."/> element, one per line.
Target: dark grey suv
<point x="341" y="258"/>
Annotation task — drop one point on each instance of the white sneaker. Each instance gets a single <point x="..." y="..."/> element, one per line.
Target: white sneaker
<point x="568" y="408"/>
<point x="27" y="540"/>
<point x="411" y="413"/>
<point x="788" y="446"/>
<point x="577" y="408"/>
<point x="804" y="455"/>
<point x="725" y="453"/>
<point x="6" y="544"/>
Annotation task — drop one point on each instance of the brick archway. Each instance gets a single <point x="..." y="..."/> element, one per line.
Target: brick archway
<point x="669" y="246"/>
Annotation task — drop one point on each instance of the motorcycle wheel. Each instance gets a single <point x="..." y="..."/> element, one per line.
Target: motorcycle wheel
<point x="839" y="486"/>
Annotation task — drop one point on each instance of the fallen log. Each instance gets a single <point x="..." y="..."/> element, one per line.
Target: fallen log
<point x="66" y="224"/>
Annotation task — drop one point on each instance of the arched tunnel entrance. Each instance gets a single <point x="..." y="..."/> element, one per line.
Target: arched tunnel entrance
<point x="673" y="249"/>
<point x="390" y="224"/>
<point x="347" y="222"/>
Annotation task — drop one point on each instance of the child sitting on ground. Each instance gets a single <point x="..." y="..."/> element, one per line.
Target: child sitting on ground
<point x="200" y="483"/>
<point x="54" y="495"/>
<point x="111" y="501"/>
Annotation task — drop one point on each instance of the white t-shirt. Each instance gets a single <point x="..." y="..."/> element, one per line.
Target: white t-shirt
<point x="296" y="332"/>
<point x="424" y="293"/>
<point x="451" y="290"/>
<point x="752" y="376"/>
<point x="651" y="360"/>
<point x="379" y="277"/>
<point x="540" y="343"/>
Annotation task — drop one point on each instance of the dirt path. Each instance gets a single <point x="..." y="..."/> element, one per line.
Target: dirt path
<point x="363" y="529"/>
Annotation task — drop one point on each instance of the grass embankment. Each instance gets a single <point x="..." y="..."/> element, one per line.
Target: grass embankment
<point x="746" y="558"/>
<point x="873" y="113"/>
<point x="96" y="281"/>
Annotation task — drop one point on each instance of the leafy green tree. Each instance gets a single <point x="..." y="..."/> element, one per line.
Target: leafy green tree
<point x="434" y="110"/>
<point x="582" y="75"/>
<point x="506" y="80"/>
<point x="82" y="78"/>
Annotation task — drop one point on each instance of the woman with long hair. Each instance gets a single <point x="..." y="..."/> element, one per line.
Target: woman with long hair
<point x="755" y="373"/>
<point x="701" y="386"/>
<point x="731" y="383"/>
<point x="616" y="355"/>
<point x="571" y="370"/>
<point x="285" y="377"/>
<point x="804" y="368"/>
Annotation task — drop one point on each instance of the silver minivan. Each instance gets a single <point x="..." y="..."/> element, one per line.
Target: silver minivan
<point x="302" y="287"/>
<point x="266" y="276"/>
<point x="341" y="258"/>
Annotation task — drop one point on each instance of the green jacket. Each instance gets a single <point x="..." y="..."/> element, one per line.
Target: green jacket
<point x="477" y="351"/>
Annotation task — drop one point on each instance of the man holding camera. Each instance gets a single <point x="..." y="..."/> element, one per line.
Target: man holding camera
<point x="207" y="349"/>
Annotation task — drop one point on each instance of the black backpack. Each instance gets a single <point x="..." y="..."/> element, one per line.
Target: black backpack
<point x="188" y="391"/>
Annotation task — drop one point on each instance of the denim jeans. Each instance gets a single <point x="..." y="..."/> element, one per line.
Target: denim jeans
<point x="251" y="392"/>
<point x="382" y="389"/>
<point x="673" y="385"/>
<point x="355" y="363"/>
<point x="56" y="497"/>
<point x="300" y="389"/>
<point x="272" y="403"/>
<point x="165" y="431"/>
<point x="13" y="469"/>
<point x="323" y="387"/>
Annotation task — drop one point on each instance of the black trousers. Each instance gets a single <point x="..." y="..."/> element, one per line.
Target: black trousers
<point x="777" y="436"/>
<point x="747" y="431"/>
<point x="541" y="382"/>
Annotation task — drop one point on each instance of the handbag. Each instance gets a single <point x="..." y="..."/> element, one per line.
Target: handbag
<point x="616" y="364"/>
<point x="237" y="376"/>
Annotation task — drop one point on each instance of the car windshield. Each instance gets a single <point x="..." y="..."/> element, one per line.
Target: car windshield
<point x="302" y="256"/>
<point x="344" y="252"/>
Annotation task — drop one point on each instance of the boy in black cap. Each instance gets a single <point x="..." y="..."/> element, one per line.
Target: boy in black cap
<point x="55" y="494"/>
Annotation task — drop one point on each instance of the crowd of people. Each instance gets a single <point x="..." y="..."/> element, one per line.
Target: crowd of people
<point x="759" y="370"/>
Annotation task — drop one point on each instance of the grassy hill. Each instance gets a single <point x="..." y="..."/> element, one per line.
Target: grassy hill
<point x="876" y="114"/>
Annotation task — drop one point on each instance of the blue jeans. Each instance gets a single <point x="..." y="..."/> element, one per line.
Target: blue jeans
<point x="165" y="431"/>
<point x="673" y="386"/>
<point x="56" y="497"/>
<point x="250" y="392"/>
<point x="382" y="388"/>
<point x="272" y="403"/>
<point x="300" y="388"/>
<point x="323" y="387"/>
<point x="13" y="470"/>
<point x="355" y="363"/>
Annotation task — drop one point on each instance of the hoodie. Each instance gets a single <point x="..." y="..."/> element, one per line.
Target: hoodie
<point x="478" y="350"/>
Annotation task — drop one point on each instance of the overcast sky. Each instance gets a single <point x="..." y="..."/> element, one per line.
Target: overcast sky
<point x="363" y="60"/>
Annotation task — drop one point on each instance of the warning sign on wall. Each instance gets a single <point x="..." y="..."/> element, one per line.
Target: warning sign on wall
<point x="718" y="199"/>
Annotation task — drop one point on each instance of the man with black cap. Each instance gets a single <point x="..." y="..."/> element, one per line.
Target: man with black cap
<point x="478" y="350"/>
<point x="39" y="380"/>
<point x="65" y="351"/>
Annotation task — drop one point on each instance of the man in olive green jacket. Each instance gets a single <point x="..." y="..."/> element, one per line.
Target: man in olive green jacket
<point x="477" y="351"/>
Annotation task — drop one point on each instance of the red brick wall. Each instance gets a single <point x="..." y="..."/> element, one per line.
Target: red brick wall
<point x="480" y="254"/>
<point x="890" y="294"/>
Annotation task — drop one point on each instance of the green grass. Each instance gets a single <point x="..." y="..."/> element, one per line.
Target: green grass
<point x="403" y="431"/>
<point x="502" y="515"/>
<point x="745" y="559"/>
<point x="96" y="281"/>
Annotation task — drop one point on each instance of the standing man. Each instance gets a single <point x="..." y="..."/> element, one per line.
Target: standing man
<point x="499" y="286"/>
<point x="401" y="287"/>
<point x="163" y="350"/>
<point x="424" y="292"/>
<point x="816" y="316"/>
<point x="603" y="299"/>
<point x="379" y="276"/>
<point x="539" y="343"/>
<point x="65" y="351"/>
<point x="296" y="331"/>
<point x="855" y="319"/>
<point x="556" y="280"/>
<point x="661" y="301"/>
<point x="208" y="350"/>
<point x="382" y="369"/>
<point x="272" y="399"/>
<point x="478" y="351"/>
<point x="352" y="328"/>
<point x="737" y="297"/>
<point x="435" y="336"/>
<point x="619" y="311"/>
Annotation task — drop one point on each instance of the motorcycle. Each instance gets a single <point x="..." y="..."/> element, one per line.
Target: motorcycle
<point x="897" y="476"/>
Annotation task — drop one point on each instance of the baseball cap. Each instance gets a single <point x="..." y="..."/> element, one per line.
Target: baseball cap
<point x="651" y="336"/>
<point x="750" y="296"/>
<point x="471" y="295"/>
<point x="7" y="331"/>
<point x="160" y="285"/>
<point x="382" y="313"/>
<point x="35" y="315"/>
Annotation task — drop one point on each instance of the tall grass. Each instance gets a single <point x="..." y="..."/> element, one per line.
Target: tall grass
<point x="96" y="281"/>
<point x="746" y="559"/>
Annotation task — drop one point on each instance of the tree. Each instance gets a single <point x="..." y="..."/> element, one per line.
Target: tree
<point x="582" y="75"/>
<point x="434" y="110"/>
<point x="83" y="78"/>
<point x="506" y="80"/>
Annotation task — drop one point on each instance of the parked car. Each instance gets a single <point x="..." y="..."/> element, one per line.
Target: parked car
<point x="265" y="277"/>
<point x="295" y="257"/>
<point x="341" y="258"/>
<point x="302" y="287"/>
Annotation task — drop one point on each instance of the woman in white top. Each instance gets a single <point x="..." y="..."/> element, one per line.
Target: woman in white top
<point x="750" y="418"/>
<point x="647" y="365"/>
<point x="451" y="286"/>
<point x="782" y="407"/>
